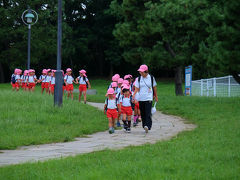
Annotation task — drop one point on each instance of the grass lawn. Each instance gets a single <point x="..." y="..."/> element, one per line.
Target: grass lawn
<point x="211" y="151"/>
<point x="29" y="118"/>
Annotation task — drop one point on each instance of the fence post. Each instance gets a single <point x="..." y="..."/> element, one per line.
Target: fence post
<point x="214" y="87"/>
<point x="207" y="89"/>
<point x="201" y="87"/>
<point x="229" y="86"/>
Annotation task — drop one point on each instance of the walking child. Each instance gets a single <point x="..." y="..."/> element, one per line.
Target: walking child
<point x="118" y="92"/>
<point x="52" y="82"/>
<point x="31" y="80"/>
<point x="111" y="108"/>
<point x="42" y="79"/>
<point x="83" y="85"/>
<point x="47" y="80"/>
<point x="126" y="103"/>
<point x="69" y="80"/>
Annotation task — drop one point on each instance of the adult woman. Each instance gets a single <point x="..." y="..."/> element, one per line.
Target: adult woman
<point x="147" y="88"/>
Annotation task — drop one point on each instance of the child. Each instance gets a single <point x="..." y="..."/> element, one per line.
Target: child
<point x="18" y="79"/>
<point x="64" y="85"/>
<point x="114" y="79"/>
<point x="68" y="79"/>
<point x="137" y="114"/>
<point x="47" y="80"/>
<point x="52" y="82"/>
<point x="111" y="107"/>
<point x="118" y="92"/>
<point x="126" y="104"/>
<point x="13" y="79"/>
<point x="83" y="85"/>
<point x="31" y="80"/>
<point x="42" y="79"/>
<point x="24" y="80"/>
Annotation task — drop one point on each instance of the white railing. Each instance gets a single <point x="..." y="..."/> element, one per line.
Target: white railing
<point x="220" y="87"/>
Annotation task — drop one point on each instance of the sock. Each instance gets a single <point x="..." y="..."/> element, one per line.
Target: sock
<point x="129" y="124"/>
<point x="125" y="122"/>
<point x="135" y="118"/>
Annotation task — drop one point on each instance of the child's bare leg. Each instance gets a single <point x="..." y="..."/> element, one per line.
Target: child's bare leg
<point x="85" y="96"/>
<point x="110" y="120"/>
<point x="80" y="95"/>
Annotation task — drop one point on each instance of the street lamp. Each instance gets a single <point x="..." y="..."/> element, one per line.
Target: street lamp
<point x="58" y="74"/>
<point x="29" y="18"/>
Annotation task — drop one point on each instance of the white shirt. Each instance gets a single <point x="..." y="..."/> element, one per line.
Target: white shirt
<point x="69" y="79"/>
<point x="111" y="103"/>
<point x="126" y="102"/>
<point x="146" y="91"/>
<point x="43" y="77"/>
<point x="18" y="78"/>
<point x="52" y="80"/>
<point x="81" y="81"/>
<point x="48" y="79"/>
<point x="31" y="79"/>
<point x="118" y="90"/>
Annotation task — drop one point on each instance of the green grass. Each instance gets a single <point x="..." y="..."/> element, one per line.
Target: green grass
<point x="211" y="151"/>
<point x="30" y="118"/>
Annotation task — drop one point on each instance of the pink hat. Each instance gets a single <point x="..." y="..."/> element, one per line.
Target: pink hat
<point x="125" y="86"/>
<point x="114" y="84"/>
<point x="143" y="68"/>
<point x="130" y="76"/>
<point x="126" y="82"/>
<point x="115" y="78"/>
<point x="126" y="77"/>
<point x="44" y="71"/>
<point x="83" y="71"/>
<point x="120" y="81"/>
<point x="31" y="70"/>
<point x="25" y="72"/>
<point x="53" y="70"/>
<point x="69" y="69"/>
<point x="110" y="91"/>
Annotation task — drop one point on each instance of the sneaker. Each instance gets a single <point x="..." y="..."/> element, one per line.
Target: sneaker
<point x="139" y="119"/>
<point x="134" y="124"/>
<point x="113" y="130"/>
<point x="125" y="127"/>
<point x="146" y="129"/>
<point x="118" y="124"/>
<point x="128" y="130"/>
<point x="110" y="130"/>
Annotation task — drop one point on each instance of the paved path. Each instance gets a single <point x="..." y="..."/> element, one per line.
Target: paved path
<point x="164" y="127"/>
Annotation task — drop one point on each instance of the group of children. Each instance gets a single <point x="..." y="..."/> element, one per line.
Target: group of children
<point x="119" y="102"/>
<point x="27" y="80"/>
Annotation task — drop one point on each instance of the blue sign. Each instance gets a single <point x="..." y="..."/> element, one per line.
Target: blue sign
<point x="188" y="81"/>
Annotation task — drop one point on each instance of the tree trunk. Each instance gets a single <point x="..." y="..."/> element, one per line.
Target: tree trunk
<point x="178" y="81"/>
<point x="111" y="71"/>
<point x="2" y="78"/>
<point x="178" y="71"/>
<point x="236" y="77"/>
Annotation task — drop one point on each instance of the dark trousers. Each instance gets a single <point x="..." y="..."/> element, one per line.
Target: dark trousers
<point x="145" y="108"/>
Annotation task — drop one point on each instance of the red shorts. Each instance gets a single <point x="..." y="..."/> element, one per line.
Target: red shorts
<point x="82" y="87"/>
<point x="43" y="85"/>
<point x="47" y="85"/>
<point x="52" y="87"/>
<point x="13" y="85"/>
<point x="112" y="113"/>
<point x="17" y="84"/>
<point x="126" y="110"/>
<point x="69" y="87"/>
<point x="137" y="105"/>
<point x="31" y="85"/>
<point x="24" y="85"/>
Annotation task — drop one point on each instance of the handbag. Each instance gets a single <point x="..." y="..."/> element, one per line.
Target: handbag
<point x="153" y="110"/>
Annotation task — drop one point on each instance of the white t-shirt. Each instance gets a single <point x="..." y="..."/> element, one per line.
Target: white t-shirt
<point x="48" y="79"/>
<point x="18" y="78"/>
<point x="126" y="102"/>
<point x="146" y="91"/>
<point x="52" y="80"/>
<point x="43" y="77"/>
<point x="118" y="90"/>
<point x="69" y="79"/>
<point x="81" y="81"/>
<point x="31" y="79"/>
<point x="112" y="104"/>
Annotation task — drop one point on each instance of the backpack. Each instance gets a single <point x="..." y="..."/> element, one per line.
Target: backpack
<point x="139" y="77"/>
<point x="13" y="79"/>
<point x="107" y="104"/>
<point x="132" y="104"/>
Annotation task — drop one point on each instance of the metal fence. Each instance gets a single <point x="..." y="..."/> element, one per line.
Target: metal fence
<point x="216" y="87"/>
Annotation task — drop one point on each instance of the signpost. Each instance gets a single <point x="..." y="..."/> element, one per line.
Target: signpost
<point x="188" y="81"/>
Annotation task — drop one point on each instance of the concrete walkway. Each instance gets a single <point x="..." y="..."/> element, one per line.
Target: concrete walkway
<point x="164" y="127"/>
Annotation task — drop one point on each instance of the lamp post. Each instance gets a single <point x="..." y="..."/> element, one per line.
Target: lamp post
<point x="58" y="75"/>
<point x="29" y="18"/>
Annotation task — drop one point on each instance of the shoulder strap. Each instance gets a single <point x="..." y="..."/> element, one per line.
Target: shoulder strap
<point x="152" y="84"/>
<point x="139" y="77"/>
